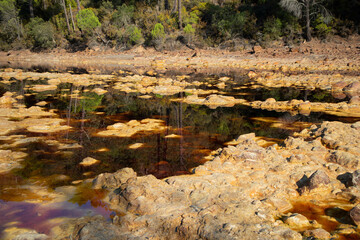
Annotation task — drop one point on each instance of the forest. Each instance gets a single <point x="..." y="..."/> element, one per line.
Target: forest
<point x="74" y="25"/>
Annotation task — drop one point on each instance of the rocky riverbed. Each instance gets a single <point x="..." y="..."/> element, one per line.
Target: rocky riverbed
<point x="243" y="192"/>
<point x="306" y="187"/>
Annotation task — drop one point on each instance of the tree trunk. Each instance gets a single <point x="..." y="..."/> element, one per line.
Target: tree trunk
<point x="180" y="17"/>
<point x="66" y="16"/>
<point x="166" y="5"/>
<point x="174" y="6"/>
<point x="308" y="30"/>
<point x="78" y="5"/>
<point x="31" y="8"/>
<point x="72" y="18"/>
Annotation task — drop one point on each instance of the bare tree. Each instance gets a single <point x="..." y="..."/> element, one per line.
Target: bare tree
<point x="78" y="5"/>
<point x="307" y="9"/>
<point x="66" y="16"/>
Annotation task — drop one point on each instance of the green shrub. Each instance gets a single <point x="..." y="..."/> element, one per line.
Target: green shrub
<point x="272" y="28"/>
<point x="188" y="29"/>
<point x="322" y="30"/>
<point x="87" y="21"/>
<point x="123" y="16"/>
<point x="41" y="33"/>
<point x="158" y="31"/>
<point x="135" y="35"/>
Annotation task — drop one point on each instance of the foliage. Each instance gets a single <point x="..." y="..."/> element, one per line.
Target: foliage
<point x="158" y="31"/>
<point x="135" y="35"/>
<point x="123" y="23"/>
<point x="188" y="29"/>
<point x="272" y="28"/>
<point x="123" y="16"/>
<point x="321" y="28"/>
<point x="87" y="21"/>
<point x="305" y="9"/>
<point x="41" y="33"/>
<point x="10" y="25"/>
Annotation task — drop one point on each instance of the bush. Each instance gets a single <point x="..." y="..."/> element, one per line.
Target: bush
<point x="158" y="31"/>
<point x="322" y="30"/>
<point x="135" y="35"/>
<point x="41" y="33"/>
<point x="272" y="28"/>
<point x="123" y="16"/>
<point x="87" y="21"/>
<point x="189" y="30"/>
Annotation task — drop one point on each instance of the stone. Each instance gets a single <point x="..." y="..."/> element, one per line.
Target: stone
<point x="353" y="87"/>
<point x="113" y="180"/>
<point x="355" y="214"/>
<point x="43" y="88"/>
<point x="257" y="49"/>
<point x="318" y="178"/>
<point x="344" y="159"/>
<point x="89" y="161"/>
<point x="297" y="220"/>
<point x="319" y="233"/>
<point x="355" y="100"/>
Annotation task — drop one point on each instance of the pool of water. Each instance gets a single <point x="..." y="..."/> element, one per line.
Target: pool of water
<point x="52" y="162"/>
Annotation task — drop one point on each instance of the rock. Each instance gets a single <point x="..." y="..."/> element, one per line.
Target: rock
<point x="344" y="159"/>
<point x="86" y="228"/>
<point x="7" y="99"/>
<point x="353" y="88"/>
<point x="257" y="49"/>
<point x="136" y="145"/>
<point x="280" y="204"/>
<point x="252" y="74"/>
<point x="319" y="233"/>
<point x="89" y="161"/>
<point x="43" y="88"/>
<point x="355" y="100"/>
<point x="14" y="233"/>
<point x="355" y="179"/>
<point x="355" y="214"/>
<point x="297" y="220"/>
<point x="132" y="127"/>
<point x="270" y="100"/>
<point x="113" y="180"/>
<point x="318" y="178"/>
<point x="339" y="86"/>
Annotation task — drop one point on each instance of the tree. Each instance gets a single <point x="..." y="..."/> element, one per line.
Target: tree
<point x="307" y="9"/>
<point x="87" y="21"/>
<point x="10" y="25"/>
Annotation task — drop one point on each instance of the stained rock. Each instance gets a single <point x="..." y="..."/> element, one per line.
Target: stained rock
<point x="297" y="220"/>
<point x="113" y="180"/>
<point x="89" y="161"/>
<point x="318" y="178"/>
<point x="319" y="233"/>
<point x="355" y="214"/>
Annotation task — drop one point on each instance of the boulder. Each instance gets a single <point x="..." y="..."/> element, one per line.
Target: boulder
<point x="318" y="178"/>
<point x="113" y="180"/>
<point x="355" y="214"/>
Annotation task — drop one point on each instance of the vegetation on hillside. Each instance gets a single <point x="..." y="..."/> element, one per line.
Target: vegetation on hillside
<point x="121" y="24"/>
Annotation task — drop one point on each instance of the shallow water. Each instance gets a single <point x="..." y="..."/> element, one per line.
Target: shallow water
<point x="53" y="158"/>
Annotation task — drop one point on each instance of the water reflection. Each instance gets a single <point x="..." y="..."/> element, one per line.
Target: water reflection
<point x="190" y="134"/>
